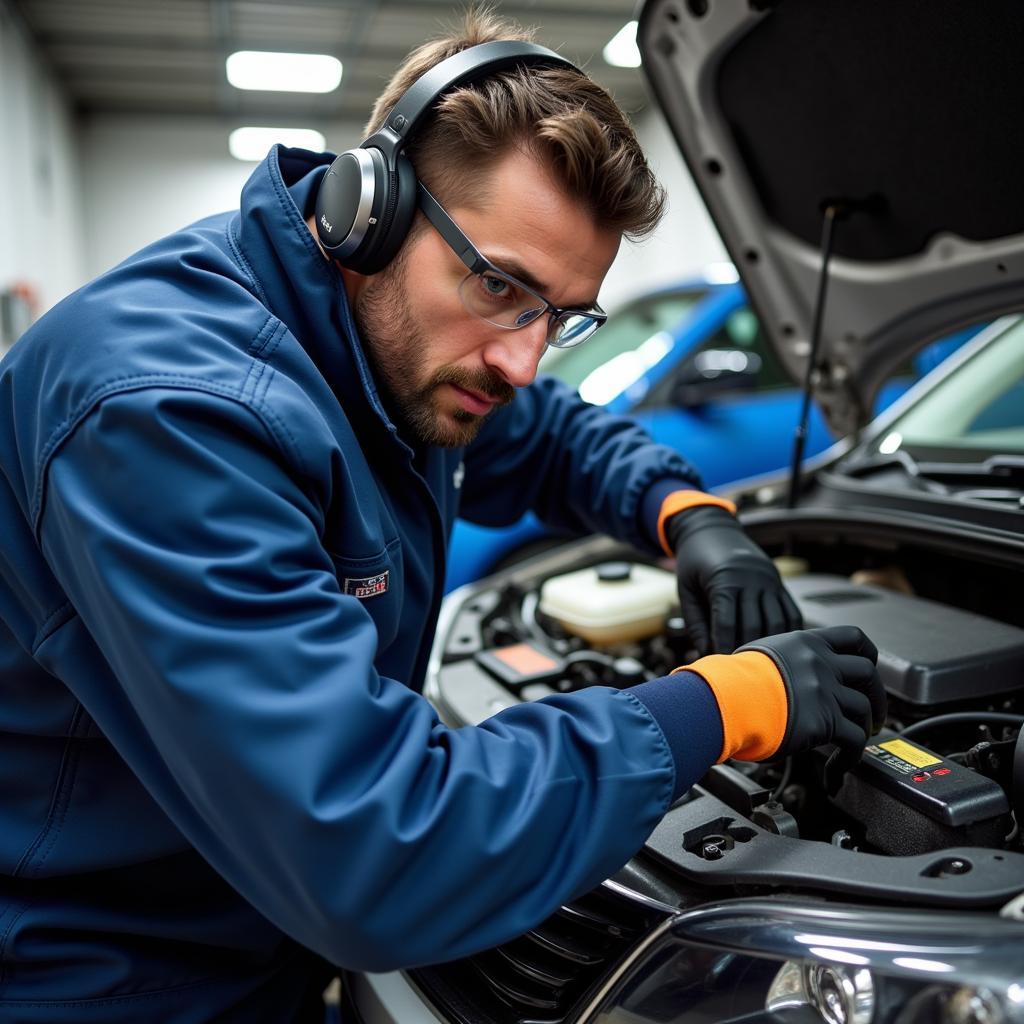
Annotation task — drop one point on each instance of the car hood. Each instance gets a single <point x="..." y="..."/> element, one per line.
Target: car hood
<point x="909" y="113"/>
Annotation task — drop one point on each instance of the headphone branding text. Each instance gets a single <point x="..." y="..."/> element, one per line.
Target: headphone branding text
<point x="326" y="223"/>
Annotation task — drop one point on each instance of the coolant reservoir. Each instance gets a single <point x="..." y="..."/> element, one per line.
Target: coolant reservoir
<point x="611" y="603"/>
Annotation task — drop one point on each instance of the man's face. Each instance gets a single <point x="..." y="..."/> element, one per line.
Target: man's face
<point x="443" y="368"/>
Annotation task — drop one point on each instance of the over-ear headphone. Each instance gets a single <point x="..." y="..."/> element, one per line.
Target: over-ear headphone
<point x="367" y="199"/>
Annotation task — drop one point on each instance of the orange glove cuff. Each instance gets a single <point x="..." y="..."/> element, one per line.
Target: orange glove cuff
<point x="751" y="700"/>
<point x="679" y="501"/>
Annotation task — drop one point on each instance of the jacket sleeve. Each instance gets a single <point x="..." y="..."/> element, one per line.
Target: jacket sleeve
<point x="578" y="467"/>
<point x="241" y="691"/>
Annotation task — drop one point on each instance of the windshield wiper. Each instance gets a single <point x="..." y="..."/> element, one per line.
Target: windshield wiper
<point x="1007" y="468"/>
<point x="950" y="478"/>
<point x="874" y="465"/>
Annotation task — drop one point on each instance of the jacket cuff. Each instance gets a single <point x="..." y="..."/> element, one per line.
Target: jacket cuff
<point x="752" y="702"/>
<point x="687" y="713"/>
<point x="654" y="497"/>
<point x="680" y="501"/>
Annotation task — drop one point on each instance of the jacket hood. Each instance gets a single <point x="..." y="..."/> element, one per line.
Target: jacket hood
<point x="907" y="114"/>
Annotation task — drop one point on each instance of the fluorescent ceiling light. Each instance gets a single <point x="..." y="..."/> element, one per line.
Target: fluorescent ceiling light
<point x="622" y="50"/>
<point x="284" y="72"/>
<point x="253" y="143"/>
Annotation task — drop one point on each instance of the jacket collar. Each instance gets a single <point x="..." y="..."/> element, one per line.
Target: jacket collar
<point x="307" y="293"/>
<point x="302" y="289"/>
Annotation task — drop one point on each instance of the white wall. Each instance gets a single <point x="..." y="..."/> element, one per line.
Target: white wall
<point x="148" y="176"/>
<point x="40" y="190"/>
<point x="685" y="242"/>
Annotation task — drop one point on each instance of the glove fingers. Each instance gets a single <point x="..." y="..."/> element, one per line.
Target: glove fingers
<point x="794" y="620"/>
<point x="696" y="620"/>
<point x="751" y="623"/>
<point x="774" y="615"/>
<point x="851" y="734"/>
<point x="724" y="615"/>
<point x="848" y="640"/>
<point x="854" y="670"/>
<point x="856" y="708"/>
<point x="860" y="674"/>
<point x="850" y="739"/>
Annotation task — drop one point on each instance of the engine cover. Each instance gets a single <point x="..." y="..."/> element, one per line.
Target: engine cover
<point x="928" y="653"/>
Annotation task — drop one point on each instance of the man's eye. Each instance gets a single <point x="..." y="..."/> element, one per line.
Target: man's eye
<point x="495" y="287"/>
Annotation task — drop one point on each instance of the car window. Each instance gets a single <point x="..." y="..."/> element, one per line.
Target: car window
<point x="742" y="330"/>
<point x="625" y="332"/>
<point x="977" y="409"/>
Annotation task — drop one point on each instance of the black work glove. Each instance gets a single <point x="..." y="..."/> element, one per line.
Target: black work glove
<point x="729" y="590"/>
<point x="833" y="690"/>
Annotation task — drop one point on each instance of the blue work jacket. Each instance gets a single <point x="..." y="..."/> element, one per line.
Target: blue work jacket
<point x="220" y="571"/>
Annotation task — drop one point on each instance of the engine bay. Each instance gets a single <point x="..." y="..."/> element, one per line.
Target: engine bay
<point x="930" y="813"/>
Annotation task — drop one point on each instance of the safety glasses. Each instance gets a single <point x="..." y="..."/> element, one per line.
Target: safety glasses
<point x="501" y="299"/>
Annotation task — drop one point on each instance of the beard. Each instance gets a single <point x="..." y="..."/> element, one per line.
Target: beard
<point x="398" y="352"/>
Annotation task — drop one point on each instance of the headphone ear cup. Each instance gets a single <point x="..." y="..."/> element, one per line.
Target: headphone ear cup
<point x="390" y="232"/>
<point x="351" y="202"/>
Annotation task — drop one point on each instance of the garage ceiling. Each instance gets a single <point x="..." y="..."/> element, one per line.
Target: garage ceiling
<point x="167" y="56"/>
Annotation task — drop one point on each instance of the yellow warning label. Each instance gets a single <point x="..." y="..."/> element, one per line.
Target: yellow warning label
<point x="912" y="755"/>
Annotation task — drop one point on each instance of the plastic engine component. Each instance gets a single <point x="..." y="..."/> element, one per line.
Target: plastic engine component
<point x="910" y="800"/>
<point x="928" y="653"/>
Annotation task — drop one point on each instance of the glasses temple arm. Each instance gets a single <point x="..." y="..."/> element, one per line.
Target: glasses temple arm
<point x="450" y="231"/>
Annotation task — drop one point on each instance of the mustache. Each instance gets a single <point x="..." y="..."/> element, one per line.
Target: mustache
<point x="483" y="382"/>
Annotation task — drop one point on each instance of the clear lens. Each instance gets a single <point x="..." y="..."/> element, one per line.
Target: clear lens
<point x="571" y="329"/>
<point x="504" y="303"/>
<point x="500" y="301"/>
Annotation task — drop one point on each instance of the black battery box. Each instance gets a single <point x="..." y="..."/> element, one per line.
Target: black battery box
<point x="910" y="800"/>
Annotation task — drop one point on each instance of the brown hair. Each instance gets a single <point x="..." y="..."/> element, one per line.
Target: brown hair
<point x="563" y="116"/>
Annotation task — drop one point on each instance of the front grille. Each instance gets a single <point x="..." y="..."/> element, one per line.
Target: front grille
<point x="542" y="976"/>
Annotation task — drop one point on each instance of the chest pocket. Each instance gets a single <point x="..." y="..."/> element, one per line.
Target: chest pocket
<point x="377" y="583"/>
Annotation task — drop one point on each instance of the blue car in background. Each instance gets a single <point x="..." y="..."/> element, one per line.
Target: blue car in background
<point x="689" y="362"/>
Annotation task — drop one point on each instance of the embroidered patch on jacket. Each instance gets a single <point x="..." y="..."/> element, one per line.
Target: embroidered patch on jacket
<point x="368" y="586"/>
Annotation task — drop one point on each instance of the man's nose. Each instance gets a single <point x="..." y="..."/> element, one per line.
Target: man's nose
<point x="515" y="354"/>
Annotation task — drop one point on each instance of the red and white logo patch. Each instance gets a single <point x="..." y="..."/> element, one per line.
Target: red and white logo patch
<point x="368" y="586"/>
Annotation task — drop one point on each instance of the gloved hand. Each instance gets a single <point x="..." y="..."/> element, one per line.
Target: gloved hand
<point x="729" y="590"/>
<point x="777" y="696"/>
<point x="834" y="693"/>
<point x="785" y="694"/>
<point x="832" y="687"/>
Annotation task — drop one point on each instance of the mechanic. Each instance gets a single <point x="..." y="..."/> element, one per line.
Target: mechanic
<point x="229" y="468"/>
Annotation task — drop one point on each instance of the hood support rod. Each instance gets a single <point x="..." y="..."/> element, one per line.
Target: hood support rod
<point x="833" y="211"/>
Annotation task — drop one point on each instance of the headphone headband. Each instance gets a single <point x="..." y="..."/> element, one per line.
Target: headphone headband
<point x="467" y="65"/>
<point x="367" y="198"/>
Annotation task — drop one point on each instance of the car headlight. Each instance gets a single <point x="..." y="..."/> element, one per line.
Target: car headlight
<point x="841" y="995"/>
<point x="845" y="995"/>
<point x="766" y="961"/>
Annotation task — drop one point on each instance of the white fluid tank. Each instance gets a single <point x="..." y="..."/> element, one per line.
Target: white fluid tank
<point x="611" y="603"/>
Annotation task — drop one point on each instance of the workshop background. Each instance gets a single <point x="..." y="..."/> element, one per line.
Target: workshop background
<point x="115" y="117"/>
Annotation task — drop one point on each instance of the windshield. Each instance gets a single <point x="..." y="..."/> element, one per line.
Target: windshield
<point x="625" y="332"/>
<point x="975" y="412"/>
